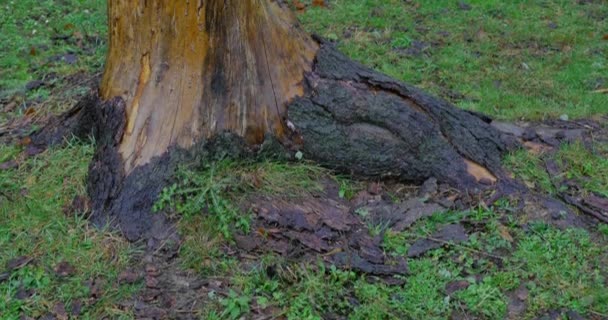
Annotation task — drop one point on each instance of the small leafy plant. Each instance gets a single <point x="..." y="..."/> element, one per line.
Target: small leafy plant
<point x="206" y="191"/>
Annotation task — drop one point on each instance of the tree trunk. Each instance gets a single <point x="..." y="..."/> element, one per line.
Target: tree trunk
<point x="190" y="69"/>
<point x="188" y="79"/>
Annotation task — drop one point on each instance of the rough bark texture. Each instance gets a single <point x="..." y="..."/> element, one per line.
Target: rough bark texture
<point x="80" y="122"/>
<point x="358" y="120"/>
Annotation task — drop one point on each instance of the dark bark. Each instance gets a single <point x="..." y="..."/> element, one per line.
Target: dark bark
<point x="360" y="121"/>
<point x="78" y="122"/>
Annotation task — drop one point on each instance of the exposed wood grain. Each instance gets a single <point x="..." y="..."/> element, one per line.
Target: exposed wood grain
<point x="190" y="69"/>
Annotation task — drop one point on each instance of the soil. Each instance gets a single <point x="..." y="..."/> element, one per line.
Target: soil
<point x="328" y="228"/>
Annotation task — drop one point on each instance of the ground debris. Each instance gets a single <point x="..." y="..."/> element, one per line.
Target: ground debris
<point x="455" y="286"/>
<point x="517" y="302"/>
<point x="452" y="233"/>
<point x="357" y="263"/>
<point x="548" y="135"/>
<point x="7" y="165"/>
<point x="59" y="311"/>
<point x="572" y="193"/>
<point x="18" y="263"/>
<point x="64" y="269"/>
<point x="301" y="228"/>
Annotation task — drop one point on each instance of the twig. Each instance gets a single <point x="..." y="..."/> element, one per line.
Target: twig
<point x="162" y="245"/>
<point x="605" y="90"/>
<point x="603" y="315"/>
<point x="570" y="200"/>
<point x="466" y="248"/>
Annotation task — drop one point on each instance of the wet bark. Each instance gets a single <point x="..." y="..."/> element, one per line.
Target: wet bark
<point x="357" y="120"/>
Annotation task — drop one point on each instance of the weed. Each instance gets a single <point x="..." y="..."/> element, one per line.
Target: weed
<point x="530" y="169"/>
<point x="235" y="305"/>
<point x="484" y="299"/>
<point x="204" y="192"/>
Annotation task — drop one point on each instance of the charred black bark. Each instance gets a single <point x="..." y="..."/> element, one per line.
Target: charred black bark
<point x="78" y="122"/>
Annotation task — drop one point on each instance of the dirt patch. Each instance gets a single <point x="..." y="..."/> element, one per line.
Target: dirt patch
<point x="169" y="291"/>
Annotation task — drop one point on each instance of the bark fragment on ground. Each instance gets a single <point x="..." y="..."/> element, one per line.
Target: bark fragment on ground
<point x="335" y="230"/>
<point x="574" y="194"/>
<point x="307" y="229"/>
<point x="546" y="136"/>
<point x="543" y="140"/>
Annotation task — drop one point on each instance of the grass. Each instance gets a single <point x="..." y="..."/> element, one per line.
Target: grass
<point x="510" y="59"/>
<point x="33" y="224"/>
<point x="513" y="60"/>
<point x="36" y="38"/>
<point x="587" y="167"/>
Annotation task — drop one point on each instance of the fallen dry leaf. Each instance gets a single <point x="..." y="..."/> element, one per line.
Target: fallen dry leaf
<point x="11" y="164"/>
<point x="299" y="5"/>
<point x="29" y="112"/>
<point x="318" y="3"/>
<point x="504" y="233"/>
<point x="59" y="311"/>
<point x="64" y="269"/>
<point x="536" y="148"/>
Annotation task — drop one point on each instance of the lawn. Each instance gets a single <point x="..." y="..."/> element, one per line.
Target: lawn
<point x="509" y="59"/>
<point x="513" y="60"/>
